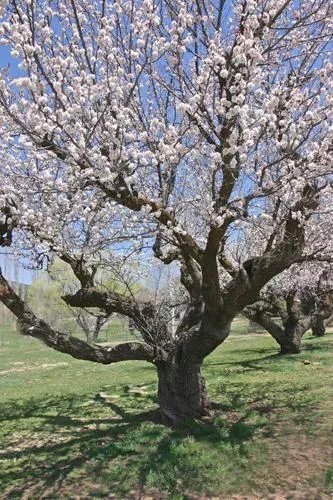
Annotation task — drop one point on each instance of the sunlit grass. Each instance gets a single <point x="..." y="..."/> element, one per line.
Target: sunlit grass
<point x="61" y="439"/>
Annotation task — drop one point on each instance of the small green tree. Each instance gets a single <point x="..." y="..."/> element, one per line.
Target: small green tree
<point x="90" y="320"/>
<point x="44" y="297"/>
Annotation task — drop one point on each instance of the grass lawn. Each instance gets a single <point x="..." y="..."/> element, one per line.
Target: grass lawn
<point x="72" y="429"/>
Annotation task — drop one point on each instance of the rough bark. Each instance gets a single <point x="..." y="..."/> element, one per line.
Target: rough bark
<point x="290" y="343"/>
<point x="318" y="326"/>
<point x="288" y="336"/>
<point x="320" y="322"/>
<point x="181" y="392"/>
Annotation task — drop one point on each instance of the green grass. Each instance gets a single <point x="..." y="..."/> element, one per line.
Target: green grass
<point x="270" y="435"/>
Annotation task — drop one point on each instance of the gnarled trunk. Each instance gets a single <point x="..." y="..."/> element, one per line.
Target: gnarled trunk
<point x="288" y="337"/>
<point x="317" y="326"/>
<point x="181" y="392"/>
<point x="290" y="342"/>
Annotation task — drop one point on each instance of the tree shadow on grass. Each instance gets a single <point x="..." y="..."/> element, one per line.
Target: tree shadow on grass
<point x="270" y="362"/>
<point x="276" y="402"/>
<point x="44" y="450"/>
<point x="247" y="363"/>
<point x="55" y="446"/>
<point x="73" y="446"/>
<point x="316" y="347"/>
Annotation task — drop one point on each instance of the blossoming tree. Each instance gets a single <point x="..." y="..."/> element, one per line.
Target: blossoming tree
<point x="301" y="299"/>
<point x="163" y="129"/>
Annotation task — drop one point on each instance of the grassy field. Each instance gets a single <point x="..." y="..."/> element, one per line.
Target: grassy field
<point x="73" y="429"/>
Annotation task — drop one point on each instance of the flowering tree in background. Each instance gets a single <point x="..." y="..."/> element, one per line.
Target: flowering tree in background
<point x="300" y="298"/>
<point x="163" y="130"/>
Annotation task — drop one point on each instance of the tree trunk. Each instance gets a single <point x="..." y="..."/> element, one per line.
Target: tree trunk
<point x="181" y="392"/>
<point x="90" y="336"/>
<point x="317" y="327"/>
<point x="91" y="333"/>
<point x="290" y="343"/>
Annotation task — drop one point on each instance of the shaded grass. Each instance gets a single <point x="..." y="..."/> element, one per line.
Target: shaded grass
<point x="329" y="479"/>
<point x="60" y="439"/>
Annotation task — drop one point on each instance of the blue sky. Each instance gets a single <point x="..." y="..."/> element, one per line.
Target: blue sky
<point x="12" y="272"/>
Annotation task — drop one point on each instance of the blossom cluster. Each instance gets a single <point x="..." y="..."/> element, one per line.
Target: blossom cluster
<point x="126" y="119"/>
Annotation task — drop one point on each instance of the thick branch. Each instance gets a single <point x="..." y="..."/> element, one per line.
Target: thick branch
<point x="258" y="315"/>
<point x="256" y="272"/>
<point x="37" y="328"/>
<point x="7" y="225"/>
<point x="108" y="300"/>
<point x="154" y="331"/>
<point x="210" y="274"/>
<point x="79" y="268"/>
<point x="122" y="195"/>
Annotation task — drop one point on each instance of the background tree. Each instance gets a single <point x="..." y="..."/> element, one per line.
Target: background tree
<point x="44" y="297"/>
<point x="293" y="303"/>
<point x="90" y="321"/>
<point x="162" y="130"/>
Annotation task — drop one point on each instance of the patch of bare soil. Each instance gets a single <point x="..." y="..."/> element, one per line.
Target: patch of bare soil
<point x="297" y="469"/>
<point x="21" y="367"/>
<point x="247" y="336"/>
